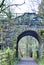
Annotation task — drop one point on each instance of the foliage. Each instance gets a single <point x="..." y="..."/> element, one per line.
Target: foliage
<point x="41" y="8"/>
<point x="34" y="54"/>
<point x="2" y="10"/>
<point x="9" y="55"/>
<point x="0" y="39"/>
<point x="13" y="43"/>
<point x="41" y="33"/>
<point x="2" y="3"/>
<point x="41" y="61"/>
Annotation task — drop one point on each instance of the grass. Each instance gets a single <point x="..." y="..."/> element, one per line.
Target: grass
<point x="41" y="61"/>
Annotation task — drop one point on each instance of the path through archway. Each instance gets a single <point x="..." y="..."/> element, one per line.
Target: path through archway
<point x="27" y="33"/>
<point x="28" y="47"/>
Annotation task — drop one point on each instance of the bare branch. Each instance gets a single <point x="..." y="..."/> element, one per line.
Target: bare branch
<point x="5" y="13"/>
<point x="14" y="5"/>
<point x="2" y="3"/>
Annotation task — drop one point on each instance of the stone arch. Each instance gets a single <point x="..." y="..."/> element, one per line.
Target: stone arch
<point x="27" y="33"/>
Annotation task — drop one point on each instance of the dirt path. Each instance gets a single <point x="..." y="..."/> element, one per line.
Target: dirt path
<point x="27" y="61"/>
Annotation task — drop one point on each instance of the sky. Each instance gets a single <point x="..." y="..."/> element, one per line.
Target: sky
<point x="29" y="6"/>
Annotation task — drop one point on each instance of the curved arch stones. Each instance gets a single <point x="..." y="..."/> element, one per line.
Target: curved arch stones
<point x="27" y="33"/>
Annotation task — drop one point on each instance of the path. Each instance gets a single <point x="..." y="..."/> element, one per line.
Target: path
<point x="27" y="61"/>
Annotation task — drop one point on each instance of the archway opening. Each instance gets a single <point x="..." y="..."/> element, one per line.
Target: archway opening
<point x="28" y="33"/>
<point x="28" y="47"/>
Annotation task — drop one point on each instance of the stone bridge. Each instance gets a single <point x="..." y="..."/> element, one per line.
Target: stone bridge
<point x="20" y="24"/>
<point x="25" y="30"/>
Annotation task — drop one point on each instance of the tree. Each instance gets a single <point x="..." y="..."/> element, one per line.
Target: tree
<point x="2" y="3"/>
<point x="41" y="8"/>
<point x="4" y="8"/>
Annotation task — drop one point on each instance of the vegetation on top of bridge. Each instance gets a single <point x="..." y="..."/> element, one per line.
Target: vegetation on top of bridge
<point x="30" y="19"/>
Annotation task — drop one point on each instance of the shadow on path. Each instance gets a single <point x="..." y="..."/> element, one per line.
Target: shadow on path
<point x="27" y="61"/>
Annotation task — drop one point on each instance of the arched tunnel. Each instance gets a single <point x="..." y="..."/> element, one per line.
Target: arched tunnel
<point x="27" y="33"/>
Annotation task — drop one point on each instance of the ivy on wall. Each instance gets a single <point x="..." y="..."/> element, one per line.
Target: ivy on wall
<point x="41" y="33"/>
